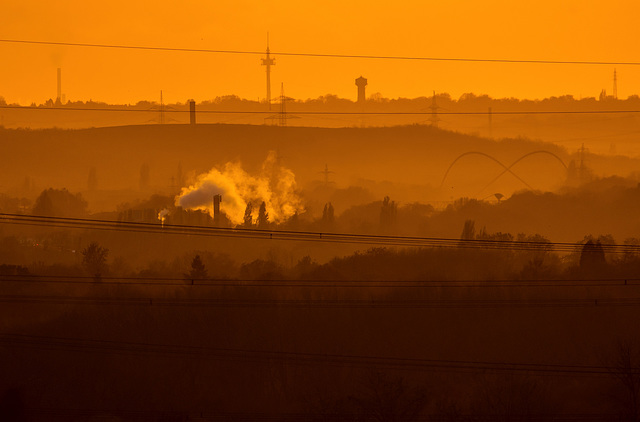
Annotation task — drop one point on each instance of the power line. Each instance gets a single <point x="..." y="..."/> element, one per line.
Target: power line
<point x="323" y="303"/>
<point x="326" y="283"/>
<point x="112" y="346"/>
<point x="321" y="55"/>
<point x="217" y="415"/>
<point x="287" y="235"/>
<point x="323" y="113"/>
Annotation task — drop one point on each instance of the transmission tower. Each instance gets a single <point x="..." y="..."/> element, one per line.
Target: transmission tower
<point x="582" y="170"/>
<point x="326" y="172"/>
<point x="490" y="114"/>
<point x="615" y="84"/>
<point x="434" y="111"/>
<point x="282" y="116"/>
<point x="268" y="61"/>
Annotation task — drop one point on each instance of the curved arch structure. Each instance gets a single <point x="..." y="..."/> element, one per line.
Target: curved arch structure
<point x="506" y="168"/>
<point x="522" y="158"/>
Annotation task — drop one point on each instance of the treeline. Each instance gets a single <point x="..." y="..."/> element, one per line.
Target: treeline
<point x="467" y="262"/>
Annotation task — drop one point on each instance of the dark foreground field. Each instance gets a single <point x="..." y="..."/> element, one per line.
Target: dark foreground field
<point x="166" y="350"/>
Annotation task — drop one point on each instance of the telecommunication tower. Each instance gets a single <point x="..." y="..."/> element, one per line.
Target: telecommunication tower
<point x="268" y="62"/>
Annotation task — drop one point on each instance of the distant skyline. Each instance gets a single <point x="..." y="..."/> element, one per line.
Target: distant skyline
<point x="494" y="29"/>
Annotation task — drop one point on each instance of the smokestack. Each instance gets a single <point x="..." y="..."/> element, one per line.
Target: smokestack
<point x="216" y="209"/>
<point x="59" y="97"/>
<point x="192" y="112"/>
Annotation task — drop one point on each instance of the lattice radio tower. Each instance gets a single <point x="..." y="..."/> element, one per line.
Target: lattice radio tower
<point x="268" y="61"/>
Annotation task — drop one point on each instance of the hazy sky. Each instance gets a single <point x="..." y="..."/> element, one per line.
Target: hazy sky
<point x="543" y="29"/>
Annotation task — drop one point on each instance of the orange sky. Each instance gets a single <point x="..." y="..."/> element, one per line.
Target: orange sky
<point x="544" y="29"/>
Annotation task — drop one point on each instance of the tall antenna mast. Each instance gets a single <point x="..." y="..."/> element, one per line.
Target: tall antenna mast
<point x="615" y="84"/>
<point x="268" y="61"/>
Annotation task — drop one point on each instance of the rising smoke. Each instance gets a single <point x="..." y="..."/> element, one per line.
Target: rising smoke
<point x="275" y="185"/>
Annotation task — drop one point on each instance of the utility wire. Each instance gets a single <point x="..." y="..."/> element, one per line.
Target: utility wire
<point x="321" y="55"/>
<point x="326" y="283"/>
<point x="126" y="226"/>
<point x="322" y="303"/>
<point x="112" y="346"/>
<point x="155" y="415"/>
<point x="323" y="113"/>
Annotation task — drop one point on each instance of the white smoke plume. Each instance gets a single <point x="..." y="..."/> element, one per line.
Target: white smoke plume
<point x="162" y="215"/>
<point x="276" y="186"/>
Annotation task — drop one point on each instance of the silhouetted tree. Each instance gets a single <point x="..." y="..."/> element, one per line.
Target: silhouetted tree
<point x="513" y="397"/>
<point x="469" y="230"/>
<point x="60" y="203"/>
<point x="328" y="214"/>
<point x="631" y="246"/>
<point x="94" y="260"/>
<point x="592" y="256"/>
<point x="261" y="270"/>
<point x="263" y="216"/>
<point x="248" y="218"/>
<point x="388" y="213"/>
<point x="198" y="271"/>
<point x="624" y="367"/>
<point x="388" y="399"/>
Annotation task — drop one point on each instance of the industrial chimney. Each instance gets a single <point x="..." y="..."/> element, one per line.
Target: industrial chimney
<point x="59" y="96"/>
<point x="192" y="112"/>
<point x="216" y="209"/>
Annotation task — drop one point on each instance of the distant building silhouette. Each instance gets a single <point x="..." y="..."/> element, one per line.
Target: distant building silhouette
<point x="361" y="83"/>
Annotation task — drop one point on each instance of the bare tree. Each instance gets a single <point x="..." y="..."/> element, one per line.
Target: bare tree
<point x="94" y="260"/>
<point x="624" y="367"/>
<point x="390" y="399"/>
